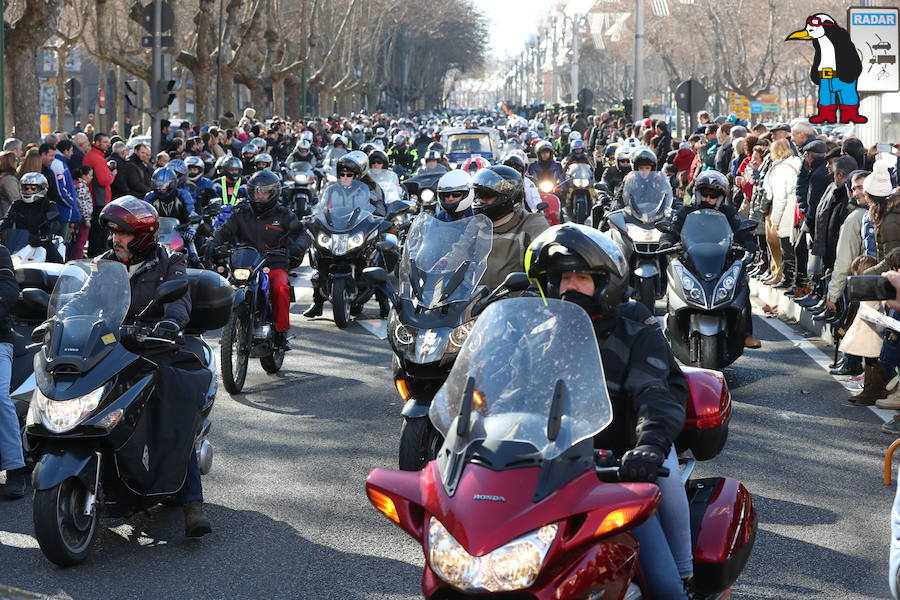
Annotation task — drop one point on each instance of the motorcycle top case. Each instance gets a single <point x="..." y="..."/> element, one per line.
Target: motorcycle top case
<point x="707" y="414"/>
<point x="723" y="530"/>
<point x="211" y="301"/>
<point x="41" y="276"/>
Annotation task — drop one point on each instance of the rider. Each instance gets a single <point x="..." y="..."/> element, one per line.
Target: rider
<point x="710" y="191"/>
<point x="134" y="228"/>
<point x="431" y="161"/>
<point x="33" y="212"/>
<point x="614" y="175"/>
<point x="454" y="190"/>
<point x="228" y="188"/>
<point x="499" y="193"/>
<point x="516" y="159"/>
<point x="247" y="154"/>
<point x="646" y="388"/>
<point x="166" y="198"/>
<point x="263" y="161"/>
<point x="545" y="167"/>
<point x="378" y="159"/>
<point x="578" y="154"/>
<point x="11" y="458"/>
<point x="267" y="225"/>
<point x="200" y="187"/>
<point x="401" y="155"/>
<point x="643" y="160"/>
<point x="561" y="147"/>
<point x="303" y="152"/>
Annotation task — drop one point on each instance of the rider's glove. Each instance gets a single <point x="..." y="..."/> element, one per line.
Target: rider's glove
<point x="640" y="464"/>
<point x="166" y="329"/>
<point x="189" y="234"/>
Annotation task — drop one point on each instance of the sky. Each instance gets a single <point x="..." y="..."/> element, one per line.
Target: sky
<point x="512" y="22"/>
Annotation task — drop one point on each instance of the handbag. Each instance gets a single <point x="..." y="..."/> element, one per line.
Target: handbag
<point x="863" y="338"/>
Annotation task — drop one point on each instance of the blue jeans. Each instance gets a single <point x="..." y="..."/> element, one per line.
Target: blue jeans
<point x="834" y="91"/>
<point x="890" y="348"/>
<point x="10" y="439"/>
<point x="675" y="516"/>
<point x="192" y="488"/>
<point x="894" y="568"/>
<point x="657" y="563"/>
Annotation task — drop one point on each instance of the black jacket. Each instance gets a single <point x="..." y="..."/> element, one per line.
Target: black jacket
<point x="638" y="364"/>
<point x="277" y="228"/>
<point x="9" y="294"/>
<point x="159" y="268"/>
<point x="120" y="183"/>
<point x="744" y="238"/>
<point x="825" y="235"/>
<point x="137" y="177"/>
<point x="818" y="181"/>
<point x="30" y="216"/>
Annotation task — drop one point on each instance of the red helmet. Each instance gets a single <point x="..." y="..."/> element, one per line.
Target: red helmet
<point x="475" y="163"/>
<point x="131" y="215"/>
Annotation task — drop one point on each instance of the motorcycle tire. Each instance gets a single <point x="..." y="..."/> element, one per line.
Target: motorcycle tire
<point x="64" y="533"/>
<point x="233" y="362"/>
<point x="581" y="212"/>
<point x="272" y="363"/>
<point x="646" y="294"/>
<point x="419" y="443"/>
<point x="710" y="352"/>
<point x="340" y="303"/>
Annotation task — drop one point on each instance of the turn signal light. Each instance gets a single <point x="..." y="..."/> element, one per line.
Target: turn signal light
<point x="618" y="519"/>
<point x="402" y="388"/>
<point x="384" y="505"/>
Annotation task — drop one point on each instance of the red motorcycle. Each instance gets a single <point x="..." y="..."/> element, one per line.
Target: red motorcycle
<point x="519" y="501"/>
<point x="553" y="210"/>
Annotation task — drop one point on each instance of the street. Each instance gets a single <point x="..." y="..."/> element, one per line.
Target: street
<point x="291" y="520"/>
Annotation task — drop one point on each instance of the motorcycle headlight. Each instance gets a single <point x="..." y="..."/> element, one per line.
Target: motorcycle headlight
<point x="514" y="566"/>
<point x="339" y="243"/>
<point x="301" y="178"/>
<point x="60" y="416"/>
<point x="324" y="240"/>
<point x="401" y="334"/>
<point x="241" y="274"/>
<point x="692" y="288"/>
<point x="356" y="240"/>
<point x="546" y="187"/>
<point x="726" y="285"/>
<point x="427" y="196"/>
<point x="331" y="177"/>
<point x="459" y="334"/>
<point x="580" y="183"/>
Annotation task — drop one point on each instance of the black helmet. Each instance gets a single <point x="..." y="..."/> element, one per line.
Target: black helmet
<point x="267" y="182"/>
<point x="578" y="248"/>
<point x="436" y="146"/>
<point x="378" y="155"/>
<point x="712" y="183"/>
<point x="356" y="162"/>
<point x="231" y="168"/>
<point x="500" y="182"/>
<point x="516" y="162"/>
<point x="641" y="157"/>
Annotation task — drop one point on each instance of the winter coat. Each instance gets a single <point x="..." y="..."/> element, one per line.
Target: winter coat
<point x="887" y="237"/>
<point x="510" y="241"/>
<point x="661" y="146"/>
<point x="819" y="179"/>
<point x="761" y="201"/>
<point x="781" y="185"/>
<point x="120" y="182"/>
<point x="822" y="216"/>
<point x="849" y="246"/>
<point x="137" y="176"/>
<point x="839" y="212"/>
<point x="9" y="294"/>
<point x="101" y="186"/>
<point x="10" y="191"/>
<point x="268" y="231"/>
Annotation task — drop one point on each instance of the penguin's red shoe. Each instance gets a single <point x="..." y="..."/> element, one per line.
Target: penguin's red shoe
<point x="827" y="114"/>
<point x="850" y="114"/>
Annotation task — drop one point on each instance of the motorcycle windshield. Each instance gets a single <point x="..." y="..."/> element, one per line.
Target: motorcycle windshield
<point x="389" y="183"/>
<point x="648" y="196"/>
<point x="580" y="174"/>
<point x="444" y="261"/>
<point x="167" y="227"/>
<point x="530" y="372"/>
<point x="90" y="301"/>
<point x="707" y="236"/>
<point x="430" y="171"/>
<point x="332" y="156"/>
<point x="244" y="257"/>
<point x="343" y="208"/>
<point x="296" y="167"/>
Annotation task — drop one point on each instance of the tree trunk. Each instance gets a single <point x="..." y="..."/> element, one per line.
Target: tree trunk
<point x="204" y="94"/>
<point x="21" y="57"/>
<point x="228" y="90"/>
<point x="292" y="87"/>
<point x="278" y="97"/>
<point x="60" y="90"/>
<point x="258" y="98"/>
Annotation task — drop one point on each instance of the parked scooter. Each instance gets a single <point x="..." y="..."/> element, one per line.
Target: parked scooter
<point x="518" y="501"/>
<point x="708" y="305"/>
<point x="92" y="408"/>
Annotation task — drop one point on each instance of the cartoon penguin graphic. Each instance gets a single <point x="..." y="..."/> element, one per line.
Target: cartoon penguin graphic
<point x="835" y="69"/>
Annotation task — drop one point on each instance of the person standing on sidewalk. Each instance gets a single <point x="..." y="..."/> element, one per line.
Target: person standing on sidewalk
<point x="11" y="459"/>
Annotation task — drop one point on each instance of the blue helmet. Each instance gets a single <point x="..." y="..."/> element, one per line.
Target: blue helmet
<point x="181" y="170"/>
<point x="164" y="182"/>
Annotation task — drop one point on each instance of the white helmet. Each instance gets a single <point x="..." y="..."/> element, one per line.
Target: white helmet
<point x="632" y="142"/>
<point x="339" y="138"/>
<point x="454" y="190"/>
<point x="303" y="144"/>
<point x="575" y="135"/>
<point x="307" y="135"/>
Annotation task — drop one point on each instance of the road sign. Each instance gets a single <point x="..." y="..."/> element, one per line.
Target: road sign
<point x="756" y="107"/>
<point x="168" y="17"/>
<point x="771" y="107"/>
<point x="876" y="34"/>
<point x="691" y="96"/>
<point x="769" y="98"/>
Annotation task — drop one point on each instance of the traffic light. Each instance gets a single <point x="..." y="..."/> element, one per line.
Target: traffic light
<point x="166" y="95"/>
<point x="131" y="93"/>
<point x="73" y="95"/>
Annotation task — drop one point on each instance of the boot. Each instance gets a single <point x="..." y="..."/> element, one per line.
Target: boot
<point x="384" y="308"/>
<point x="15" y="484"/>
<point x="892" y="402"/>
<point x="850" y="114"/>
<point x="849" y="367"/>
<point x="752" y="343"/>
<point x="892" y="426"/>
<point x="827" y="114"/>
<point x="195" y="522"/>
<point x="281" y="341"/>
<point x="873" y="386"/>
<point x="315" y="309"/>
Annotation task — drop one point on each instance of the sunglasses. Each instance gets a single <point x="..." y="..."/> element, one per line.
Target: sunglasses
<point x="709" y="194"/>
<point x="817" y="22"/>
<point x="345" y="174"/>
<point x="453" y="194"/>
<point x="29" y="188"/>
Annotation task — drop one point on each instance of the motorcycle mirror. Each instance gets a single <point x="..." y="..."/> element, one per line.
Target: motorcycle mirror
<point x="376" y="275"/>
<point x="541" y="206"/>
<point x="601" y="187"/>
<point x="170" y="291"/>
<point x="36" y="297"/>
<point x="386" y="246"/>
<point x="516" y="282"/>
<point x="195" y="219"/>
<point x="664" y="227"/>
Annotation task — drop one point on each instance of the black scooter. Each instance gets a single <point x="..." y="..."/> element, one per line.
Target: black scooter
<point x="92" y="410"/>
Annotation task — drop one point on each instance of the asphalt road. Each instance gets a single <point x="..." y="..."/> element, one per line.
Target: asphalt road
<point x="291" y="519"/>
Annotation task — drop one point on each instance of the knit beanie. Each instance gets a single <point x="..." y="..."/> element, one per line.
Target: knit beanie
<point x="879" y="182"/>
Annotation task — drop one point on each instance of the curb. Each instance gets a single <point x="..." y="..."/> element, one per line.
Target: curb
<point x="791" y="311"/>
<point x="11" y="593"/>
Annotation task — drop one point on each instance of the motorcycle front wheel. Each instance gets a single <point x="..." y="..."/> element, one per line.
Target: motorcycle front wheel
<point x="234" y="361"/>
<point x="64" y="533"/>
<point x="419" y="443"/>
<point x="646" y="293"/>
<point x="272" y="363"/>
<point x="340" y="302"/>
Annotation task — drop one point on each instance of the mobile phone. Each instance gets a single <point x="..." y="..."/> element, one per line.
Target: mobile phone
<point x="870" y="287"/>
<point x="884" y="147"/>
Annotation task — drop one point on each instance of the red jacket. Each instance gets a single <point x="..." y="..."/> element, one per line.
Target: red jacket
<point x="683" y="159"/>
<point x="103" y="177"/>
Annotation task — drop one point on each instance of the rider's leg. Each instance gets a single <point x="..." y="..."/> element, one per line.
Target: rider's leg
<point x="280" y="293"/>
<point x="657" y="564"/>
<point x="675" y="516"/>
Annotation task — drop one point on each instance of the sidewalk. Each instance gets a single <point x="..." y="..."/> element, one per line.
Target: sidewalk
<point x="789" y="310"/>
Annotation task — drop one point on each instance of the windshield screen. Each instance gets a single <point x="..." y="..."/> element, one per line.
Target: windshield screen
<point x="332" y="157"/>
<point x="470" y="143"/>
<point x="580" y="171"/>
<point x="648" y="198"/>
<point x="520" y="354"/>
<point x="167" y="227"/>
<point x="300" y="166"/>
<point x="707" y="236"/>
<point x="389" y="183"/>
<point x="342" y="208"/>
<point x="443" y="261"/>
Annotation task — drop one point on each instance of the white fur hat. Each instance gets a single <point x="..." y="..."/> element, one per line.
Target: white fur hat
<point x="878" y="183"/>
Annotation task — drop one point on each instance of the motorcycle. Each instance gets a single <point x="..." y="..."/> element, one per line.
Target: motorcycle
<point x="648" y="201"/>
<point x="328" y="169"/>
<point x="26" y="248"/>
<point x="298" y="192"/>
<point x="438" y="301"/>
<point x="549" y="194"/>
<point x="707" y="291"/>
<point x="581" y="192"/>
<point x="422" y="188"/>
<point x="96" y="410"/>
<point x="250" y="331"/>
<point x="518" y="502"/>
<point x="345" y="234"/>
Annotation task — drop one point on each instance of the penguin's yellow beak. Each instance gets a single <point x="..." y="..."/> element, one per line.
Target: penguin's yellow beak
<point x="799" y="35"/>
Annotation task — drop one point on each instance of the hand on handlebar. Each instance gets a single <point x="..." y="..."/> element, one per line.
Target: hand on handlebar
<point x="641" y="464"/>
<point x="166" y="329"/>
